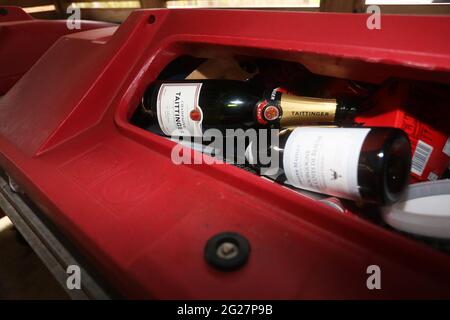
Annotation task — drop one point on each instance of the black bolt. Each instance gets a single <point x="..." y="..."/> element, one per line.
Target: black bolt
<point x="227" y="251"/>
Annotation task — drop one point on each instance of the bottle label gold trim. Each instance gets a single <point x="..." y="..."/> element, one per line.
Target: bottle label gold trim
<point x="299" y="110"/>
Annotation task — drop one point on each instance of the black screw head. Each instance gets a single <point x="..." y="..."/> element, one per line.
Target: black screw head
<point x="227" y="251"/>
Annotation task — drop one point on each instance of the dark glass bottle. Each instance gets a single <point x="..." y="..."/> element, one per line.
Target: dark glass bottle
<point x="368" y="164"/>
<point x="189" y="107"/>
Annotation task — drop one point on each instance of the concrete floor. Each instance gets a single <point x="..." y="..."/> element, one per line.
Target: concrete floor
<point x="22" y="274"/>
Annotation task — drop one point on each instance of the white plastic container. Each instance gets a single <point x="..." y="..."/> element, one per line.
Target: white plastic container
<point x="424" y="210"/>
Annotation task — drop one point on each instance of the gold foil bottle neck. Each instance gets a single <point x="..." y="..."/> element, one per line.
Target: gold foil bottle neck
<point x="300" y="110"/>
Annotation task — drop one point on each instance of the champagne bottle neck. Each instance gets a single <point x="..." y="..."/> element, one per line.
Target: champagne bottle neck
<point x="345" y="112"/>
<point x="297" y="110"/>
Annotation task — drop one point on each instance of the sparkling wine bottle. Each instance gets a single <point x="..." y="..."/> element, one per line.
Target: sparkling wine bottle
<point x="189" y="107"/>
<point x="368" y="164"/>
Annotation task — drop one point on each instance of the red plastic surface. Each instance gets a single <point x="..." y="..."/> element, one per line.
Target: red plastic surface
<point x="143" y="221"/>
<point x="11" y="13"/>
<point x="23" y="40"/>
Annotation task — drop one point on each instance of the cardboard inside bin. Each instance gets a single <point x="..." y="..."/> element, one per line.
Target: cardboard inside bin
<point x="219" y="69"/>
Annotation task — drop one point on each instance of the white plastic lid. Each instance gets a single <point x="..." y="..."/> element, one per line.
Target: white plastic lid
<point x="424" y="210"/>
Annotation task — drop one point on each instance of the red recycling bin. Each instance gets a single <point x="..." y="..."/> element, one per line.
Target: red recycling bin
<point x="143" y="221"/>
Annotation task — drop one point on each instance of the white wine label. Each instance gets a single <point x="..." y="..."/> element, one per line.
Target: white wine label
<point x="178" y="111"/>
<point x="325" y="160"/>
